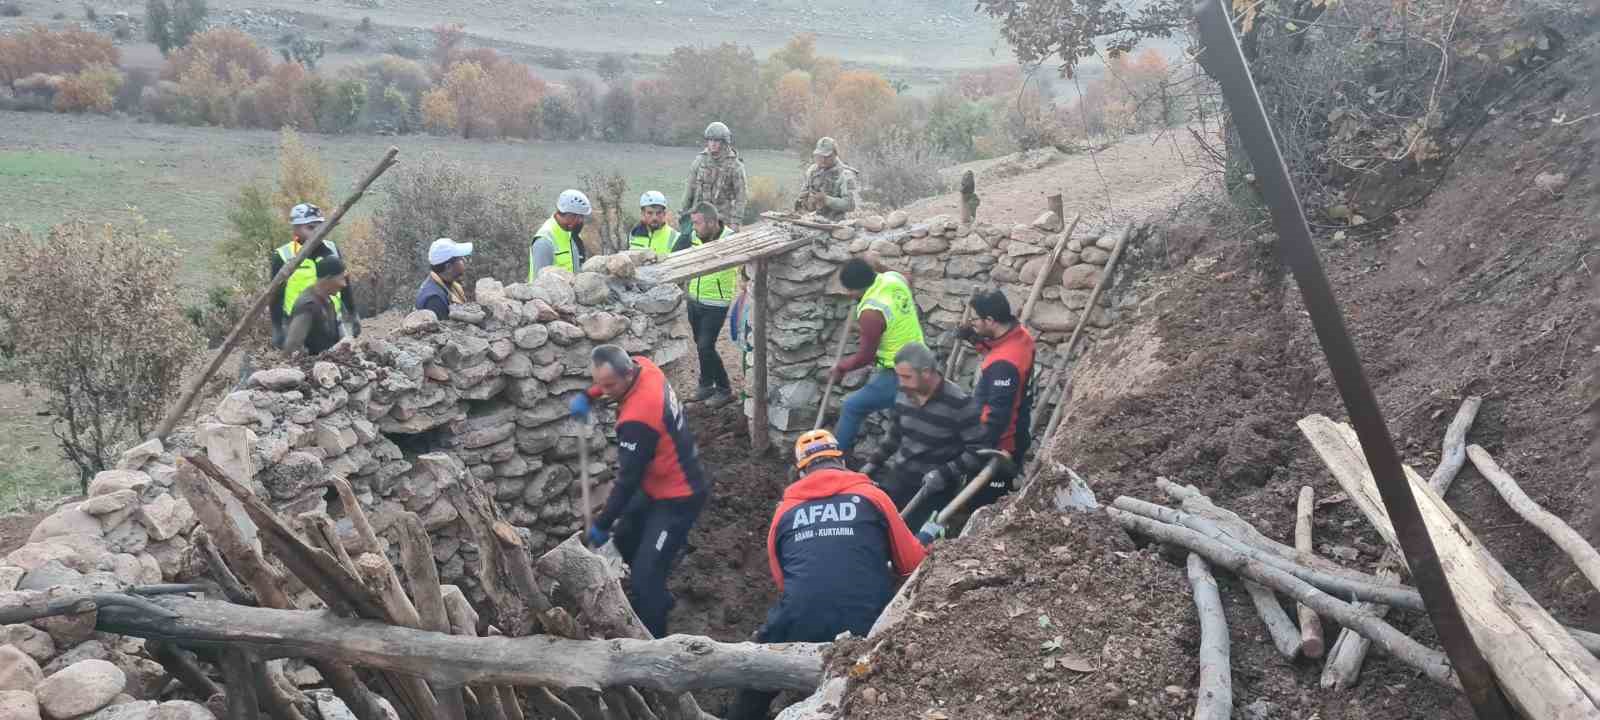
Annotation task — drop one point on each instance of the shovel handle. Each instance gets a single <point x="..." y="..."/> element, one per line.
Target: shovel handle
<point x="844" y="337"/>
<point x="922" y="494"/>
<point x="967" y="493"/>
<point x="583" y="479"/>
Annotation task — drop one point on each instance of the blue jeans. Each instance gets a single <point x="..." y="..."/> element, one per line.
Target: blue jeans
<point x="877" y="394"/>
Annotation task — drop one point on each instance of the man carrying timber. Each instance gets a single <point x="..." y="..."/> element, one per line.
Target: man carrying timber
<point x="837" y="548"/>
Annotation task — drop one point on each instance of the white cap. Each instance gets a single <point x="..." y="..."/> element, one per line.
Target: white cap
<point x="305" y="214"/>
<point x="653" y="197"/>
<point x="574" y="202"/>
<point x="444" y="250"/>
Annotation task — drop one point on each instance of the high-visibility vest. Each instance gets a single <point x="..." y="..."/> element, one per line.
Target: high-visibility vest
<point x="304" y="276"/>
<point x="660" y="241"/>
<point x="561" y="239"/>
<point x="890" y="294"/>
<point x="714" y="288"/>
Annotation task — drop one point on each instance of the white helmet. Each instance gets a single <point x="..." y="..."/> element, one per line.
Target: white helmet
<point x="653" y="197"/>
<point x="305" y="214"/>
<point x="573" y="202"/>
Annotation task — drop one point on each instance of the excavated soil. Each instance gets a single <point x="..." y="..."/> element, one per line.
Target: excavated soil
<point x="1481" y="290"/>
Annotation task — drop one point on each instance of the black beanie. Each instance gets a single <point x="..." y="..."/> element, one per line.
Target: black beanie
<point x="329" y="267"/>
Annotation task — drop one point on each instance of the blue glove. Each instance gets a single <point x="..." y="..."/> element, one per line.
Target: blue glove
<point x="598" y="537"/>
<point x="734" y="317"/>
<point x="929" y="531"/>
<point x="579" y="407"/>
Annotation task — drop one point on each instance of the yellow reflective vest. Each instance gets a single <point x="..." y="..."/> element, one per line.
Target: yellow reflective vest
<point x="561" y="239"/>
<point x="660" y="241"/>
<point x="304" y="276"/>
<point x="714" y="288"/>
<point x="890" y="294"/>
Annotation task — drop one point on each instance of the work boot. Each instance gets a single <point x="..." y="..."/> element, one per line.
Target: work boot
<point x="719" y="397"/>
<point x="704" y="393"/>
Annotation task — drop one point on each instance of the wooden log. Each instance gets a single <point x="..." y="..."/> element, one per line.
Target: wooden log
<point x="264" y="582"/>
<point x="218" y="570"/>
<point x="319" y="529"/>
<point x="1349" y="584"/>
<point x="1541" y="668"/>
<point x="550" y="706"/>
<point x="957" y="348"/>
<point x="275" y="692"/>
<point x="238" y="676"/>
<point x="1579" y="550"/>
<point x="1077" y="331"/>
<point x="760" y="440"/>
<point x="253" y="314"/>
<point x="585" y="702"/>
<point x="1311" y="644"/>
<point x="422" y="578"/>
<point x="1429" y="662"/>
<point x="379" y="577"/>
<point x="1049" y="267"/>
<point x="1214" y="697"/>
<point x="677" y="664"/>
<point x="181" y="664"/>
<point x="510" y="706"/>
<point x="1285" y="638"/>
<point x="740" y="248"/>
<point x="969" y="198"/>
<point x="478" y="515"/>
<point x="369" y="541"/>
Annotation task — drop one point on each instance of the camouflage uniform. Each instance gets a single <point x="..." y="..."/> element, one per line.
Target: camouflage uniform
<point x="838" y="183"/>
<point x="719" y="181"/>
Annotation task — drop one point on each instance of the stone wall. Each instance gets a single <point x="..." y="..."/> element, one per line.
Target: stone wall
<point x="943" y="260"/>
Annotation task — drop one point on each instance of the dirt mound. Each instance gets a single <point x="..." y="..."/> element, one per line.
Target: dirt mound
<point x="1480" y="290"/>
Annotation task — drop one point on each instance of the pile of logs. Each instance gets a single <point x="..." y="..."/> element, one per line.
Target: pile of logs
<point x="560" y="639"/>
<point x="1545" y="669"/>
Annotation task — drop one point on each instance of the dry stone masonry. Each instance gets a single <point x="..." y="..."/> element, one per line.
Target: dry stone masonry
<point x="943" y="260"/>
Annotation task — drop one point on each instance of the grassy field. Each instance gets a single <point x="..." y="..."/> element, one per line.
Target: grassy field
<point x="183" y="179"/>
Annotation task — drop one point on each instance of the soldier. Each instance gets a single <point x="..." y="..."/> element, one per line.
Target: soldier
<point x="830" y="188"/>
<point x="716" y="177"/>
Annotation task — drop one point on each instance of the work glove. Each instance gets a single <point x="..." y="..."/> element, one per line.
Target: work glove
<point x="929" y="532"/>
<point x="934" y="481"/>
<point x="578" y="408"/>
<point x="967" y="334"/>
<point x="596" y="537"/>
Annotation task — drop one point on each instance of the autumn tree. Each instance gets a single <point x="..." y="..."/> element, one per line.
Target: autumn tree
<point x="459" y="101"/>
<point x="1066" y="31"/>
<point x="722" y="82"/>
<point x="52" y="52"/>
<point x="857" y="101"/>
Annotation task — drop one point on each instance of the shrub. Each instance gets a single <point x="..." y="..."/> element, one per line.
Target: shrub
<point x="227" y="53"/>
<point x="93" y="89"/>
<point x="303" y="50"/>
<point x="858" y="101"/>
<point x="611" y="67"/>
<point x="617" y="109"/>
<point x="65" y="52"/>
<point x="300" y="176"/>
<point x="365" y="26"/>
<point x="134" y="82"/>
<point x="112" y="346"/>
<point x="281" y="99"/>
<point x="559" y="117"/>
<point x="11" y="9"/>
<point x="439" y="112"/>
<point x="256" y="229"/>
<point x="173" y="26"/>
<point x="436" y="197"/>
<point x="405" y="49"/>
<point x="513" y="95"/>
<point x="611" y="221"/>
<point x="899" y="166"/>
<point x="654" y="101"/>
<point x="766" y="195"/>
<point x="447" y="39"/>
<point x="724" y="83"/>
<point x="339" y="104"/>
<point x="954" y="125"/>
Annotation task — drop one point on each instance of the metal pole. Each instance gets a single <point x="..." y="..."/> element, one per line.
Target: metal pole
<point x="1223" y="60"/>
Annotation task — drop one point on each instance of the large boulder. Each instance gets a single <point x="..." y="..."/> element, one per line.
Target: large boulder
<point x="69" y="520"/>
<point x="80" y="689"/>
<point x="18" y="705"/>
<point x="29" y="639"/>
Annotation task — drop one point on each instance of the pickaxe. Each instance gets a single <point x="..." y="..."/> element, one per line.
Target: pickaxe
<point x="999" y="462"/>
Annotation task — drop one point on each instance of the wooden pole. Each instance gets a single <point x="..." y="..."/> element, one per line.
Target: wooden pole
<point x="422" y="578"/>
<point x="969" y="198"/>
<point x="760" y="440"/>
<point x="1077" y="332"/>
<point x="1054" y="201"/>
<point x="199" y="382"/>
<point x="1349" y="650"/>
<point x="1049" y="269"/>
<point x="838" y="354"/>
<point x="1582" y="553"/>
<point x="1311" y="643"/>
<point x="1279" y="627"/>
<point x="1214" y="699"/>
<point x="957" y="348"/>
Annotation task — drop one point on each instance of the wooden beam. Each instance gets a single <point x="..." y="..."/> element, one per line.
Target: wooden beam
<point x="745" y="246"/>
<point x="677" y="664"/>
<point x="1543" y="670"/>
<point x="760" y="440"/>
<point x="1311" y="644"/>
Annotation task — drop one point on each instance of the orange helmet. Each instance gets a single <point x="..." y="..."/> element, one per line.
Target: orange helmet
<point x="813" y="445"/>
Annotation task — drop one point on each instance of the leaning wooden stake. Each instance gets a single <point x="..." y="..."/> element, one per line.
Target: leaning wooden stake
<point x="1214" y="700"/>
<point x="1582" y="553"/>
<point x="1049" y="269"/>
<point x="1311" y="644"/>
<point x="1349" y="651"/>
<point x="760" y="439"/>
<point x="422" y="579"/>
<point x="1077" y="332"/>
<point x="254" y="313"/>
<point x="838" y="354"/>
<point x="1285" y="638"/>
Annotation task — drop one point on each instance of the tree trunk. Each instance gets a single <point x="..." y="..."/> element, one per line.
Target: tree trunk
<point x="1279" y="627"/>
<point x="1582" y="553"/>
<point x="1311" y="644"/>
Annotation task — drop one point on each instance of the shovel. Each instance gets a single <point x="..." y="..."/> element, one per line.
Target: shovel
<point x="844" y="337"/>
<point x="999" y="461"/>
<point x="608" y="552"/>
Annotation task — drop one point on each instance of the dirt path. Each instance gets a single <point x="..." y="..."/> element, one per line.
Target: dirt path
<point x="1139" y="176"/>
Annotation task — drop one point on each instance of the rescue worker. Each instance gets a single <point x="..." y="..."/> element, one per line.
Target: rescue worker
<point x="934" y="436"/>
<point x="314" y="320"/>
<point x="305" y="220"/>
<point x="886" y="317"/>
<point x="653" y="232"/>
<point x="557" y="243"/>
<point x="830" y="188"/>
<point x="442" y="288"/>
<point x="716" y="177"/>
<point x="837" y="549"/>
<point x="660" y="487"/>
<point x="710" y="297"/>
<point x="1004" y="393"/>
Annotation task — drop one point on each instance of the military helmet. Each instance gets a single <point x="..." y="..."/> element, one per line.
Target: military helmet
<point x="719" y="131"/>
<point x="825" y="147"/>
